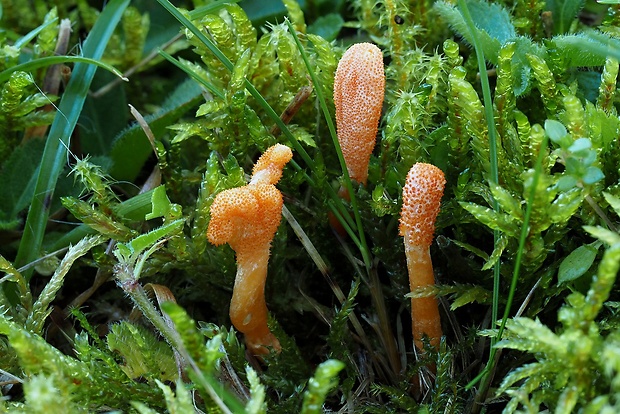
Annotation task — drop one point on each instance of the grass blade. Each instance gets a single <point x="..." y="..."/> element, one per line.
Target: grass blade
<point x="53" y="60"/>
<point x="57" y="144"/>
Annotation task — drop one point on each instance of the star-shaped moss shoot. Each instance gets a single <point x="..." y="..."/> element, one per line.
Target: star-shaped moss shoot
<point x="421" y="199"/>
<point x="247" y="218"/>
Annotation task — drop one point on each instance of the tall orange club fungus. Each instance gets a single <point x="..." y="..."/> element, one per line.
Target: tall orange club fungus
<point x="421" y="200"/>
<point x="247" y="218"/>
<point x="359" y="87"/>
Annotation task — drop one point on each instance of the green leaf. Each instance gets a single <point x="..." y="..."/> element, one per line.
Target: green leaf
<point x="41" y="308"/>
<point x="54" y="60"/>
<point x="613" y="201"/>
<point x="327" y="26"/>
<point x="325" y="378"/>
<point x="203" y="358"/>
<point x="506" y="201"/>
<point x="256" y="404"/>
<point x="606" y="236"/>
<point x="563" y="12"/>
<point x="555" y="130"/>
<point x="586" y="49"/>
<point x="261" y="12"/>
<point x="580" y="144"/>
<point x="147" y="240"/>
<point x="592" y="175"/>
<point x="18" y="180"/>
<point x="182" y="402"/>
<point x="143" y="354"/>
<point x="493" y="219"/>
<point x="131" y="147"/>
<point x="470" y="294"/>
<point x="103" y="117"/>
<point x="493" y="19"/>
<point x="161" y="204"/>
<point x="57" y="143"/>
<point x="577" y="263"/>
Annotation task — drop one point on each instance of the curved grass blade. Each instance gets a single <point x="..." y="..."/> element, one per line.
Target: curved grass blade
<point x="24" y="40"/>
<point x="55" y="153"/>
<point x="53" y="60"/>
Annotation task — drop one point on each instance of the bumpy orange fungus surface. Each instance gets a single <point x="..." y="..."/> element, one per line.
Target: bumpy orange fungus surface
<point x="421" y="199"/>
<point x="247" y="218"/>
<point x="359" y="87"/>
<point x="268" y="168"/>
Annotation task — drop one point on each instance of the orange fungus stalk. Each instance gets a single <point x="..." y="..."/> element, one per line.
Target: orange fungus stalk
<point x="359" y="86"/>
<point x="247" y="218"/>
<point x="421" y="199"/>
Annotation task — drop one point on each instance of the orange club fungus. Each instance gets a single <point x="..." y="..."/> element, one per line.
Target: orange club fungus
<point x="359" y="87"/>
<point x="421" y="200"/>
<point x="247" y="218"/>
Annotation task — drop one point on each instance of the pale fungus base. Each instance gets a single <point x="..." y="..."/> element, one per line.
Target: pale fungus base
<point x="421" y="201"/>
<point x="247" y="218"/>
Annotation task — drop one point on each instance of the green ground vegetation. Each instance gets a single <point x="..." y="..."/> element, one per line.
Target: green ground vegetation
<point x="119" y="124"/>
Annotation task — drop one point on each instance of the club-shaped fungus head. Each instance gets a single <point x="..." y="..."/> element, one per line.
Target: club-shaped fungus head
<point x="247" y="217"/>
<point x="421" y="200"/>
<point x="359" y="87"/>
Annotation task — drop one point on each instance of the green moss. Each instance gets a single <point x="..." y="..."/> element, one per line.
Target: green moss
<point x="529" y="215"/>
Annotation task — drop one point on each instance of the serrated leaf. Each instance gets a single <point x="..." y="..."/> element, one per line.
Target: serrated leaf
<point x="585" y="49"/>
<point x="565" y="205"/>
<point x="577" y="263"/>
<point x="493" y="19"/>
<point x="471" y="295"/>
<point x="606" y="236"/>
<point x="506" y="201"/>
<point x="525" y="334"/>
<point x="492" y="219"/>
<point x="302" y="135"/>
<point x="256" y="404"/>
<point x="144" y="241"/>
<point x="499" y="248"/>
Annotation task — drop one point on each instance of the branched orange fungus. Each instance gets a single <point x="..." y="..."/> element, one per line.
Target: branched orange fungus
<point x="247" y="218"/>
<point x="359" y="86"/>
<point x="421" y="199"/>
